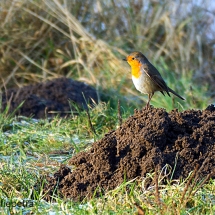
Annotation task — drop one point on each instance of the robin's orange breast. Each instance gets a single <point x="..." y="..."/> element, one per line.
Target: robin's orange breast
<point x="135" y="70"/>
<point x="135" y="67"/>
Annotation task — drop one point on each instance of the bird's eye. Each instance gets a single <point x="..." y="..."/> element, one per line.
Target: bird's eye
<point x="133" y="58"/>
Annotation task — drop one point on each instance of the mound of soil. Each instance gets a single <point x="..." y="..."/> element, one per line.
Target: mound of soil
<point x="51" y="96"/>
<point x="146" y="141"/>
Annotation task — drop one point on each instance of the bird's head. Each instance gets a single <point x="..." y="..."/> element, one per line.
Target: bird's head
<point x="135" y="59"/>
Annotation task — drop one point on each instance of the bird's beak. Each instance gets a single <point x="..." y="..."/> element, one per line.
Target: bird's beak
<point x="124" y="59"/>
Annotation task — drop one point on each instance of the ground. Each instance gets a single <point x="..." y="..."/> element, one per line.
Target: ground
<point x="49" y="98"/>
<point x="145" y="142"/>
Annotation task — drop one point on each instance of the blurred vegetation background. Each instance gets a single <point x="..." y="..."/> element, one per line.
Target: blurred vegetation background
<point x="86" y="41"/>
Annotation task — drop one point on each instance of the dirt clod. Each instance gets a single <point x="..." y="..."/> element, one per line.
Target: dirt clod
<point x="146" y="141"/>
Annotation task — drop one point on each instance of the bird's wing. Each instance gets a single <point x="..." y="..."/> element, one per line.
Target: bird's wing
<point x="155" y="76"/>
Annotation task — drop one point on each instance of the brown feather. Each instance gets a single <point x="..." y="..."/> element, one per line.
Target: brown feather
<point x="155" y="77"/>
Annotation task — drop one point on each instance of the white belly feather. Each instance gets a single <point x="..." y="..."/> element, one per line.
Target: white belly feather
<point x="144" y="84"/>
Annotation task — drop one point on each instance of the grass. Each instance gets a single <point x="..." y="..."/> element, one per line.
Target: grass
<point x="176" y="197"/>
<point x="79" y="40"/>
<point x="28" y="151"/>
<point x="30" y="135"/>
<point x="86" y="40"/>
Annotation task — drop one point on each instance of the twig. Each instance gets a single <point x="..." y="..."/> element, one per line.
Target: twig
<point x="196" y="177"/>
<point x="90" y="122"/>
<point x="119" y="113"/>
<point x="157" y="193"/>
<point x="188" y="183"/>
<point x="202" y="183"/>
<point x="140" y="210"/>
<point x="200" y="169"/>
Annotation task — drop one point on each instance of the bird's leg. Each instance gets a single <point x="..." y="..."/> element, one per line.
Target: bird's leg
<point x="149" y="99"/>
<point x="147" y="104"/>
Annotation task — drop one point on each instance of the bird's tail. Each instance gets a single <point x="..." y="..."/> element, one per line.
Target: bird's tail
<point x="172" y="91"/>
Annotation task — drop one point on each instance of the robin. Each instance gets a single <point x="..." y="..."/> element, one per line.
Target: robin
<point x="146" y="77"/>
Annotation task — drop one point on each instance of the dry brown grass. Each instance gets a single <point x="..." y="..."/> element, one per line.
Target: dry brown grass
<point x="86" y="40"/>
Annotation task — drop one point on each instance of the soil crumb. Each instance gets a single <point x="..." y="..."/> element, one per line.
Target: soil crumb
<point x="48" y="99"/>
<point x="146" y="141"/>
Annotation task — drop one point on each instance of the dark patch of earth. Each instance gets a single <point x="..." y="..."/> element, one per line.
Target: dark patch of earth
<point x="145" y="142"/>
<point x="54" y="97"/>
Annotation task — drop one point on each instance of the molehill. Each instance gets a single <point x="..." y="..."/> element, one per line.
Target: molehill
<point x="146" y="141"/>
